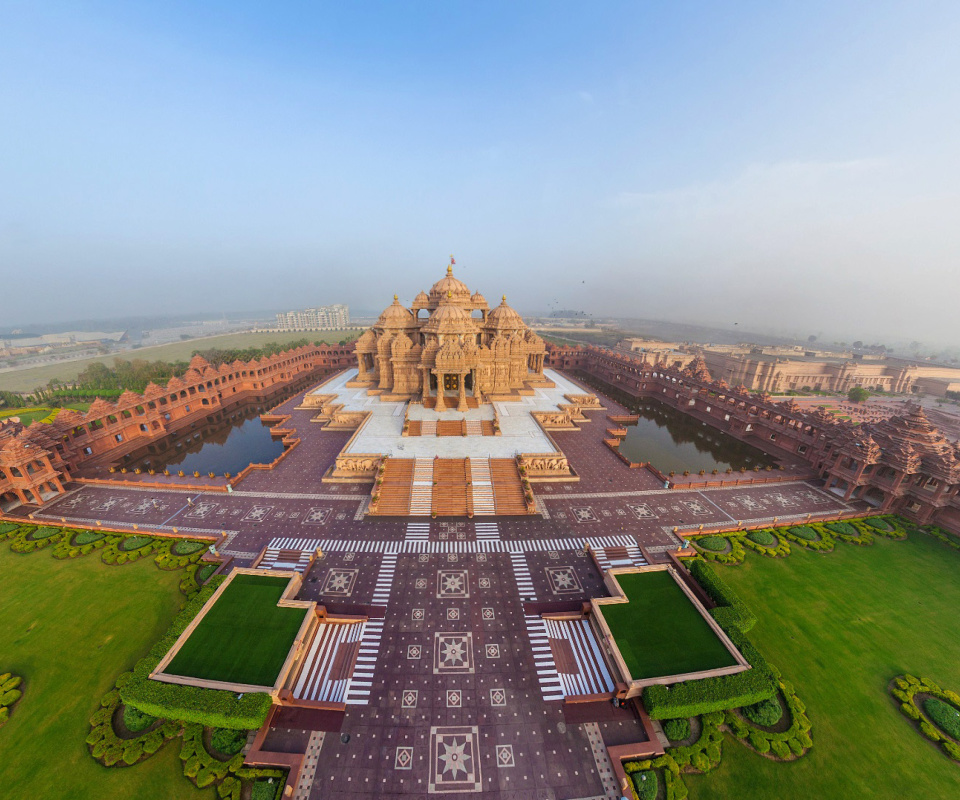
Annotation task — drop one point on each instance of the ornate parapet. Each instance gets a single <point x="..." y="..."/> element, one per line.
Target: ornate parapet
<point x="545" y="467"/>
<point x="555" y="420"/>
<point x="585" y="401"/>
<point x="347" y="420"/>
<point x="316" y="400"/>
<point x="356" y="466"/>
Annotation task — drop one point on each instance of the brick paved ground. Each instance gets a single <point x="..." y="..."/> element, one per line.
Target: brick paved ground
<point x="456" y="704"/>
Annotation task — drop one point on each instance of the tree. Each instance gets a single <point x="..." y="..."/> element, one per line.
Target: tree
<point x="857" y="345"/>
<point x="857" y="394"/>
<point x="811" y="338"/>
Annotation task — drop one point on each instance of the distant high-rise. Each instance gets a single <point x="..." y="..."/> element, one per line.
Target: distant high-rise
<point x="324" y="318"/>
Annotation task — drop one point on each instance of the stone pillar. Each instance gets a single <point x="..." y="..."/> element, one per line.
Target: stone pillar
<point x="426" y="384"/>
<point x="441" y="404"/>
<point x="462" y="400"/>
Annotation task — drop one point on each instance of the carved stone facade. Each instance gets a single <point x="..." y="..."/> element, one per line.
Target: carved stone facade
<point x="449" y="346"/>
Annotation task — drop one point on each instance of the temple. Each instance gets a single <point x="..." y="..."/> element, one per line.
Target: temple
<point x="450" y="349"/>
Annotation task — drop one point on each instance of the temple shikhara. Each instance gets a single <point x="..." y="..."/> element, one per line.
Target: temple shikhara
<point x="449" y="347"/>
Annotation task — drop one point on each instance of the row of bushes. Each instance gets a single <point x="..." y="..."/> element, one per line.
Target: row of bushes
<point x="199" y="765"/>
<point x="663" y="767"/>
<point x="720" y="592"/>
<point x="214" y="708"/>
<point x="786" y="745"/>
<point x="10" y="694"/>
<point x="818" y="536"/>
<point x="115" y="548"/>
<point x="940" y="723"/>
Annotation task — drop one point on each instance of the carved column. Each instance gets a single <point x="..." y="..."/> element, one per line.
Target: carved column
<point x="462" y="400"/>
<point x="441" y="405"/>
<point x="426" y="383"/>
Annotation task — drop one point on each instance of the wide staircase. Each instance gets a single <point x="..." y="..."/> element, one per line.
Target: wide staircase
<point x="395" y="489"/>
<point x="450" y="487"/>
<point x="421" y="492"/>
<point x="482" y="485"/>
<point x="507" y="487"/>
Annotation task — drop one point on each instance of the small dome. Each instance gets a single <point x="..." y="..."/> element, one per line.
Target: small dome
<point x="395" y="315"/>
<point x="450" y="318"/>
<point x="478" y="299"/>
<point x="421" y="299"/>
<point x="449" y="287"/>
<point x="504" y="317"/>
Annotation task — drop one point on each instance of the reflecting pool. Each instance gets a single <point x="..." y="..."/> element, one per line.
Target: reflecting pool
<point x="672" y="441"/>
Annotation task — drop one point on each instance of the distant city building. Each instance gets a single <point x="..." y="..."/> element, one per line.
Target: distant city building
<point x="324" y="318"/>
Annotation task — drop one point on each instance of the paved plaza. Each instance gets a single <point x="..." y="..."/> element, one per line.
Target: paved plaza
<point x="451" y="693"/>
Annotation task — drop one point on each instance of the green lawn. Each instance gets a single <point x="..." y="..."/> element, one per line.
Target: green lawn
<point x="840" y="626"/>
<point x="70" y="627"/>
<point x="660" y="632"/>
<point x="26" y="380"/>
<point x="244" y="637"/>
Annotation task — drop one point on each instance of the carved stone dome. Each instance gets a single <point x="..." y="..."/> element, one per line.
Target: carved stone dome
<point x="449" y="286"/>
<point x="478" y="299"/>
<point x="395" y="315"/>
<point x="450" y="318"/>
<point x="504" y="317"/>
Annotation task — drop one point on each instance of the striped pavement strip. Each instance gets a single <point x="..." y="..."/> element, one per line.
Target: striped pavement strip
<point x="487" y="531"/>
<point x="593" y="675"/>
<point x="550" y="685"/>
<point x="361" y="682"/>
<point x="634" y="558"/>
<point x="479" y="546"/>
<point x="521" y="572"/>
<point x="418" y="531"/>
<point x="388" y="568"/>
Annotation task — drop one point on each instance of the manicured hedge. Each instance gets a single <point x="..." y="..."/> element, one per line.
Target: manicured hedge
<point x="805" y="532"/>
<point x="694" y="697"/>
<point x="763" y="537"/>
<point x="721" y="593"/>
<point x="668" y="770"/>
<point x="645" y="784"/>
<point x="786" y="745"/>
<point x="87" y="537"/>
<point x="136" y="720"/>
<point x="676" y="730"/>
<point x="943" y="714"/>
<point x="212" y="707"/>
<point x="187" y="548"/>
<point x="715" y="543"/>
<point x="227" y="741"/>
<point x="768" y="712"/>
<point x="10" y="694"/>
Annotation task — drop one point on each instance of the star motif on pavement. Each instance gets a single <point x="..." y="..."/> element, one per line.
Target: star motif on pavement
<point x="564" y="580"/>
<point x="453" y="652"/>
<point x="452" y="583"/>
<point x="454" y="758"/>
<point x="339" y="582"/>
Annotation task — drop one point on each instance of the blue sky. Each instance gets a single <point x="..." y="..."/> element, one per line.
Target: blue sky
<point x="790" y="165"/>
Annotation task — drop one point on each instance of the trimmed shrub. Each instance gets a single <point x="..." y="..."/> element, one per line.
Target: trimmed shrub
<point x="879" y="523"/>
<point x="44" y="533"/>
<point x="945" y="716"/>
<point x="135" y="543"/>
<point x="645" y="784"/>
<point x="676" y="730"/>
<point x="768" y="712"/>
<point x="804" y="532"/>
<point x="228" y="741"/>
<point x="136" y="720"/>
<point x="187" y="548"/>
<point x="264" y="790"/>
<point x="764" y="538"/>
<point x="87" y="537"/>
<point x="714" y="543"/>
<point x="843" y="528"/>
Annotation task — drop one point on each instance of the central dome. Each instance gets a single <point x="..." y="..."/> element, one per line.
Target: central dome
<point x="450" y="318"/>
<point x="449" y="286"/>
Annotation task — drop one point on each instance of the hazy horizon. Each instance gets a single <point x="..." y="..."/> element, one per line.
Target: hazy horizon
<point x="781" y="168"/>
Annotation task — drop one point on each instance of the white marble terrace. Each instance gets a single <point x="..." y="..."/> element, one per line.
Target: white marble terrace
<point x="381" y="433"/>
